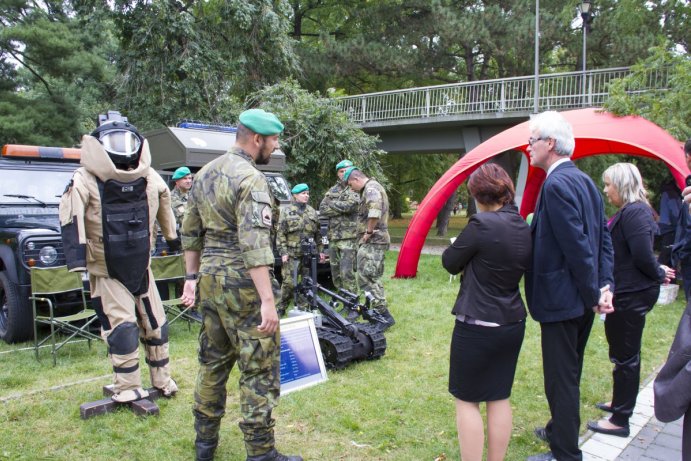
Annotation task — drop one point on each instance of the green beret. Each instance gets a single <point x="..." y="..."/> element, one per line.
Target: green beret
<point x="302" y="187"/>
<point x="181" y="173"/>
<point x="343" y="164"/>
<point x="350" y="169"/>
<point x="261" y="122"/>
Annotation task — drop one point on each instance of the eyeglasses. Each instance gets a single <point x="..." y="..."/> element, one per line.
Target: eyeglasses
<point x="532" y="140"/>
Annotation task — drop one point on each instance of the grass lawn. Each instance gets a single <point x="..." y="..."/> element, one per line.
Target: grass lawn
<point x="398" y="227"/>
<point x="396" y="408"/>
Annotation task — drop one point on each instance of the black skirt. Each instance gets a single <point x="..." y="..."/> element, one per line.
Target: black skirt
<point x="483" y="361"/>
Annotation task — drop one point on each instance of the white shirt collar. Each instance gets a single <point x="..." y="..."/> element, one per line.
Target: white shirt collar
<point x="557" y="163"/>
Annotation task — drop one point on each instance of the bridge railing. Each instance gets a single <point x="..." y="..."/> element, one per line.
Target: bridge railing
<point x="557" y="92"/>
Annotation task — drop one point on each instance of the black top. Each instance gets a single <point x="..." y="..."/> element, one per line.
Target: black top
<point x="493" y="251"/>
<point x="635" y="266"/>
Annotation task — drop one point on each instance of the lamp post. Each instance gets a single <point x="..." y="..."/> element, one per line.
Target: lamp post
<point x="585" y="15"/>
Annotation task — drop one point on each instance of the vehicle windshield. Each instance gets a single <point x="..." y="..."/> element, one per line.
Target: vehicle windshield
<point x="279" y="188"/>
<point x="44" y="186"/>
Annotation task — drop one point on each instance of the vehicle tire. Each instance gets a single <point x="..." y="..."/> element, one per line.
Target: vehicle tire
<point x="16" y="316"/>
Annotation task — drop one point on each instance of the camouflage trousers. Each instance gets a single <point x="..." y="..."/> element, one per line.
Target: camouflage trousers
<point x="125" y="320"/>
<point x="342" y="254"/>
<point x="231" y="312"/>
<point x="288" y="270"/>
<point x="370" y="269"/>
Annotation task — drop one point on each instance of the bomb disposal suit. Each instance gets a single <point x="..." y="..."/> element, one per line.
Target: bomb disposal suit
<point x="107" y="215"/>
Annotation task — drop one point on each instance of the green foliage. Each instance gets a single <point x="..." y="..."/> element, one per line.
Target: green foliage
<point x="205" y="56"/>
<point x="317" y="136"/>
<point x="52" y="72"/>
<point x="669" y="109"/>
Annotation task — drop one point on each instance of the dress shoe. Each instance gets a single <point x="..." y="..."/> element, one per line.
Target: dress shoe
<point x="542" y="457"/>
<point x="274" y="455"/>
<point x="619" y="431"/>
<point x="541" y="433"/>
<point x="604" y="407"/>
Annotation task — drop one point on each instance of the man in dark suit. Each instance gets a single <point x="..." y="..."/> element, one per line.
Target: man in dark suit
<point x="570" y="278"/>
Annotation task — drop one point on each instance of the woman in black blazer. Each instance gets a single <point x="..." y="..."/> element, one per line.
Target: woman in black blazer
<point x="493" y="251"/>
<point x="637" y="279"/>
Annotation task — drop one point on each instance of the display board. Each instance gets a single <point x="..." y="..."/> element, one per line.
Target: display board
<point x="301" y="357"/>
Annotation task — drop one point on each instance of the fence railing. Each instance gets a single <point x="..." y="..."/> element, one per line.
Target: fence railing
<point x="517" y="94"/>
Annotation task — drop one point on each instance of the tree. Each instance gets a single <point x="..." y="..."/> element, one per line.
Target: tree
<point x="668" y="109"/>
<point x="52" y="72"/>
<point x="318" y="135"/>
<point x="199" y="60"/>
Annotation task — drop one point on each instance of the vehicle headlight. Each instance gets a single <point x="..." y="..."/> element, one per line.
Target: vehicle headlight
<point x="48" y="255"/>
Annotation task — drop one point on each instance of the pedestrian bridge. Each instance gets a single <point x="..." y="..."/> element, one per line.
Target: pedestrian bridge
<point x="457" y="117"/>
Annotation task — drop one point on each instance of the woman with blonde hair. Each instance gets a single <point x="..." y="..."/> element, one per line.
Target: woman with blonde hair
<point x="637" y="279"/>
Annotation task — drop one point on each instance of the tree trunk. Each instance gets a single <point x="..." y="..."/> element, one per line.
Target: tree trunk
<point x="444" y="215"/>
<point x="395" y="203"/>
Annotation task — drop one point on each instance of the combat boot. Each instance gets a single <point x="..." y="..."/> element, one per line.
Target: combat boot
<point x="205" y="449"/>
<point x="273" y="455"/>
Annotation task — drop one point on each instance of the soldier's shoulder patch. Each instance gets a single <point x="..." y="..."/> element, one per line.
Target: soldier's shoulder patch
<point x="266" y="216"/>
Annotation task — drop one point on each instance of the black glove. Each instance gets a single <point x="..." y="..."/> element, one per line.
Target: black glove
<point x="174" y="246"/>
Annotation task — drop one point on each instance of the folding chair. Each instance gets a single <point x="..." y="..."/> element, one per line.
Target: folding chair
<point x="171" y="269"/>
<point x="45" y="284"/>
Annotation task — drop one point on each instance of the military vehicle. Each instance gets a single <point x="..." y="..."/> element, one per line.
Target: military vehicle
<point x="33" y="180"/>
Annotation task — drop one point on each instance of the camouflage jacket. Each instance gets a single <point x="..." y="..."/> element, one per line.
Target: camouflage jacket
<point x="374" y="203"/>
<point x="340" y="205"/>
<point x="297" y="222"/>
<point x="178" y="200"/>
<point x="228" y="216"/>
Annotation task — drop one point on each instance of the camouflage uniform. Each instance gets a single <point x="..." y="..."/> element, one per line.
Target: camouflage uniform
<point x="340" y="205"/>
<point x="297" y="221"/>
<point x="178" y="200"/>
<point x="228" y="220"/>
<point x="374" y="203"/>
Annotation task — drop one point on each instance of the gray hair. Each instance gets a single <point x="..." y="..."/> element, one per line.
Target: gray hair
<point x="626" y="178"/>
<point x="553" y="125"/>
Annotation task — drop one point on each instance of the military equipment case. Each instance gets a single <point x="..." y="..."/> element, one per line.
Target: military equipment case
<point x="173" y="147"/>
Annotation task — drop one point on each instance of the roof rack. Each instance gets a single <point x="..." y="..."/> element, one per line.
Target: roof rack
<point x="206" y="126"/>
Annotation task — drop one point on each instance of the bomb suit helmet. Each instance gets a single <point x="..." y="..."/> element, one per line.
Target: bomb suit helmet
<point x="120" y="139"/>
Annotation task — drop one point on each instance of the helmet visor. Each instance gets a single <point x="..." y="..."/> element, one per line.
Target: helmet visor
<point x="120" y="142"/>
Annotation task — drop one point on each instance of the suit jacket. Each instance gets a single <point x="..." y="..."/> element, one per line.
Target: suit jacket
<point x="493" y="251"/>
<point x="635" y="265"/>
<point x="572" y="248"/>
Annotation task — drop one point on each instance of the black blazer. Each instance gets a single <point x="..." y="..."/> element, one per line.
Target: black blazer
<point x="493" y="251"/>
<point x="635" y="266"/>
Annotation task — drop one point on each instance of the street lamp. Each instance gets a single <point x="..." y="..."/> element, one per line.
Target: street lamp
<point x="586" y="16"/>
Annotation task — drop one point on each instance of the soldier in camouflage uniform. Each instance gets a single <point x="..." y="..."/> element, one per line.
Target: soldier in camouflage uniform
<point x="178" y="197"/>
<point x="298" y="221"/>
<point x="374" y="240"/>
<point x="340" y="205"/>
<point x="226" y="237"/>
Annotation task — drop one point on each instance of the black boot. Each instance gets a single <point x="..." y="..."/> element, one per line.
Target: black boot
<point x="273" y="455"/>
<point x="205" y="449"/>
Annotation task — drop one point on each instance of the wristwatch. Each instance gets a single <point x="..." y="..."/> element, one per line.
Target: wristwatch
<point x="191" y="276"/>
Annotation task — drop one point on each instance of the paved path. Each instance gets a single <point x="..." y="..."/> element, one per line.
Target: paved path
<point x="650" y="440"/>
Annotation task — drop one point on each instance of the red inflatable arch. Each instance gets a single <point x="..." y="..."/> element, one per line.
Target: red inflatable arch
<point x="595" y="132"/>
